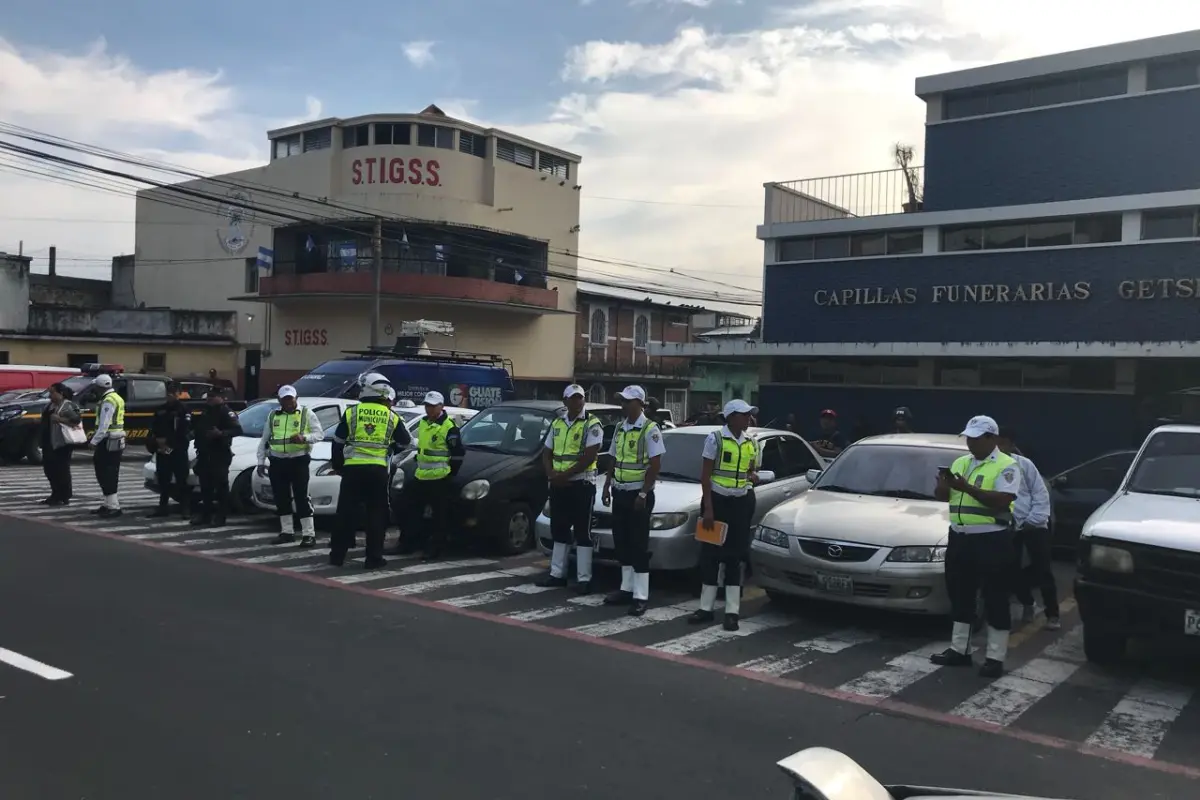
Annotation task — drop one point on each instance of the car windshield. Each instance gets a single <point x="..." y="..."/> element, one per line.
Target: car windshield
<point x="77" y="384"/>
<point x="507" y="429"/>
<point x="255" y="417"/>
<point x="1170" y="465"/>
<point x="682" y="461"/>
<point x="329" y="379"/>
<point x="887" y="470"/>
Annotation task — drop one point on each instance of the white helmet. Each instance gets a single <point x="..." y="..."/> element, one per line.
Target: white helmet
<point x="372" y="384"/>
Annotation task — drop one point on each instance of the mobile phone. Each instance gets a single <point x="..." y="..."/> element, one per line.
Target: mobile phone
<point x="944" y="471"/>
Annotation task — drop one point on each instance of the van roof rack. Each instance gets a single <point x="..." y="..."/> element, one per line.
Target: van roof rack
<point x="427" y="354"/>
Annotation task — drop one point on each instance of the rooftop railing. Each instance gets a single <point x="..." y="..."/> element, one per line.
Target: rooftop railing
<point x="864" y="194"/>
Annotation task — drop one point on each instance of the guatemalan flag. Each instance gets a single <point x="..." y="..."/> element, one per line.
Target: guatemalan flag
<point x="266" y="261"/>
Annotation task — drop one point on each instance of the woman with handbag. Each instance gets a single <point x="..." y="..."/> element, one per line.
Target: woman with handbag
<point x="61" y="432"/>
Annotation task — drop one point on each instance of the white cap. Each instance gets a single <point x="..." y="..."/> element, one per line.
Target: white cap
<point x="287" y="390"/>
<point x="435" y="399"/>
<point x="572" y="390"/>
<point x="738" y="407"/>
<point x="632" y="393"/>
<point x="103" y="381"/>
<point x="981" y="426"/>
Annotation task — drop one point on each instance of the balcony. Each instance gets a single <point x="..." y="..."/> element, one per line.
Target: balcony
<point x="597" y="362"/>
<point x="865" y="194"/>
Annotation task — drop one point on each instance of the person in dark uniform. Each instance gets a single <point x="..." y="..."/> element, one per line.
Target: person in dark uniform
<point x="214" y="428"/>
<point x="902" y="420"/>
<point x="362" y="444"/>
<point x="831" y="441"/>
<point x="438" y="459"/>
<point x="170" y="433"/>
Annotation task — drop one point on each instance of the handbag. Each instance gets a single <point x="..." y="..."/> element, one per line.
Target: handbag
<point x="73" y="434"/>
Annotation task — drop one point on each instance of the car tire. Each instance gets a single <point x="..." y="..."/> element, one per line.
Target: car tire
<point x="1103" y="646"/>
<point x="516" y="534"/>
<point x="33" y="450"/>
<point x="239" y="494"/>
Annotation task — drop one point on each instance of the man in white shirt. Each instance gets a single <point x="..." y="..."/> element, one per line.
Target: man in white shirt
<point x="287" y="440"/>
<point x="1031" y="519"/>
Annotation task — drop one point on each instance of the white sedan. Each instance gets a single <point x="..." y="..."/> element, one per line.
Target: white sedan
<point x="245" y="447"/>
<point x="787" y="460"/>
<point x="324" y="484"/>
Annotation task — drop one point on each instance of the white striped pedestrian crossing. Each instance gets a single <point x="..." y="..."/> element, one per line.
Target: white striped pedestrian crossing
<point x="1140" y="721"/>
<point x="808" y="652"/>
<point x="459" y="580"/>
<point x="900" y="673"/>
<point x="574" y="604"/>
<point x="496" y="595"/>
<point x="1010" y="696"/>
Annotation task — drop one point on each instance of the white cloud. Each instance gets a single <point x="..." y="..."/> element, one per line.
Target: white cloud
<point x="419" y="54"/>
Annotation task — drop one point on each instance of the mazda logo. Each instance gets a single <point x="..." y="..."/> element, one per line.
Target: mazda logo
<point x="834" y="551"/>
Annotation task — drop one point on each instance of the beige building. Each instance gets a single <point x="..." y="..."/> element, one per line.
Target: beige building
<point x="477" y="228"/>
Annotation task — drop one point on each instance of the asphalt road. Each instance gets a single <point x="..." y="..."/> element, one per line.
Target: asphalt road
<point x="193" y="678"/>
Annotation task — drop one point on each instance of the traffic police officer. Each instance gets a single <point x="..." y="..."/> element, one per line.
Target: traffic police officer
<point x="361" y="447"/>
<point x="729" y="471"/>
<point x="287" y="439"/>
<point x="981" y="488"/>
<point x="214" y="429"/>
<point x="170" y="433"/>
<point x="108" y="443"/>
<point x="569" y="459"/>
<point x="637" y="448"/>
<point x="438" y="458"/>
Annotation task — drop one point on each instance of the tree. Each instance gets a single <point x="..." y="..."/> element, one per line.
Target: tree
<point x="903" y="155"/>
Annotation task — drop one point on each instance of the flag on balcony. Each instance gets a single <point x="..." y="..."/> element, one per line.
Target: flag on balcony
<point x="404" y="241"/>
<point x="266" y="261"/>
<point x="439" y="252"/>
<point x="310" y="245"/>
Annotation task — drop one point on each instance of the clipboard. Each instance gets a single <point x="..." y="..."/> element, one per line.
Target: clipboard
<point x="714" y="535"/>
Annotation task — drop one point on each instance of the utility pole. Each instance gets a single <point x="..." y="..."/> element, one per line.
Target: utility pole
<point x="53" y="261"/>
<point x="377" y="251"/>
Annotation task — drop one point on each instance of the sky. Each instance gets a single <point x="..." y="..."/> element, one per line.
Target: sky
<point x="681" y="109"/>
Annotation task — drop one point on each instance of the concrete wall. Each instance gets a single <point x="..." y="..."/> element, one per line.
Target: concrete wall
<point x="182" y="359"/>
<point x="59" y="290"/>
<point x="14" y="293"/>
<point x="133" y="322"/>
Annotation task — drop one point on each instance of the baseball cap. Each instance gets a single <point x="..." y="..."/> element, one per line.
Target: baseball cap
<point x="632" y="393"/>
<point x="435" y="399"/>
<point x="739" y="407"/>
<point x="903" y="413"/>
<point x="103" y="381"/>
<point x="572" y="390"/>
<point x="981" y="426"/>
<point x="287" y="391"/>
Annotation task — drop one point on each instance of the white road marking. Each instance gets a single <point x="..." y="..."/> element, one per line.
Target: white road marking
<point x="1138" y="723"/>
<point x="495" y="596"/>
<point x="195" y="543"/>
<point x="294" y="555"/>
<point x="307" y="567"/>
<point x="415" y="569"/>
<point x="901" y="672"/>
<point x="623" y="624"/>
<point x="1068" y="647"/>
<point x="534" y="615"/>
<point x="830" y="644"/>
<point x="30" y="665"/>
<point x="458" y="580"/>
<point x="1005" y="699"/>
<point x="714" y="634"/>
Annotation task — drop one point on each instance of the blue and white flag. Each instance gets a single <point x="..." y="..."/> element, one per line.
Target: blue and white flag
<point x="266" y="261"/>
<point x="310" y="245"/>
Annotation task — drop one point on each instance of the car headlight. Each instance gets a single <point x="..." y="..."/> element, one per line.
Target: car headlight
<point x="917" y="555"/>
<point x="325" y="469"/>
<point x="476" y="490"/>
<point x="9" y="413"/>
<point x="771" y="536"/>
<point x="1110" y="559"/>
<point x="665" y="522"/>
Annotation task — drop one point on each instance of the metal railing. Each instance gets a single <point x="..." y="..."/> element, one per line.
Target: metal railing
<point x="864" y="194"/>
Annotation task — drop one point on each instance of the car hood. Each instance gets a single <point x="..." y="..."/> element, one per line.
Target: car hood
<point x="481" y="464"/>
<point x="1151" y="519"/>
<point x="880" y="521"/>
<point x="27" y="407"/>
<point x="669" y="496"/>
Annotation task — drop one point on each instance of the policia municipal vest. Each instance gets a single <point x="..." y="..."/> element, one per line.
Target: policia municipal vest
<point x="433" y="453"/>
<point x="569" y="439"/>
<point x="116" y="428"/>
<point x="284" y="425"/>
<point x="371" y="427"/>
<point x="632" y="460"/>
<point x="735" y="463"/>
<point x="966" y="512"/>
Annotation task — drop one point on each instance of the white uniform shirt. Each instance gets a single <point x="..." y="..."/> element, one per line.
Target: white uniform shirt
<point x="1009" y="480"/>
<point x="593" y="437"/>
<point x="712" y="449"/>
<point x="312" y="435"/>
<point x="1032" y="509"/>
<point x="654" y="446"/>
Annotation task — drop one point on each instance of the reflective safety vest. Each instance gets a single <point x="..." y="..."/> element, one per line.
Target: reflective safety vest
<point x="632" y="460"/>
<point x="116" y="428"/>
<point x="569" y="439"/>
<point x="965" y="511"/>
<point x="735" y="463"/>
<point x="283" y="427"/>
<point x="371" y="427"/>
<point x="433" y="453"/>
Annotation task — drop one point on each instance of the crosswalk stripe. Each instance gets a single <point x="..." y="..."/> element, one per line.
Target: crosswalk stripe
<point x="1011" y="695"/>
<point x="416" y="569"/>
<point x="457" y="580"/>
<point x="295" y="555"/>
<point x="808" y="652"/>
<point x="901" y="672"/>
<point x="624" y="624"/>
<point x="496" y="595"/>
<point x="1140" y="721"/>
<point x="715" y="634"/>
<point x="574" y="604"/>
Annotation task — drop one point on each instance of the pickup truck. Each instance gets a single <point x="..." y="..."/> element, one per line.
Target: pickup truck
<point x="144" y="394"/>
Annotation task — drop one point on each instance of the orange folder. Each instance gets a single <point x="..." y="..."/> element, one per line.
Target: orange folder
<point x="714" y="535"/>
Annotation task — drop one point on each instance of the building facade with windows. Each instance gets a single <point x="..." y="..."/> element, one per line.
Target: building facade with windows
<point x="476" y="227"/>
<point x="1043" y="267"/>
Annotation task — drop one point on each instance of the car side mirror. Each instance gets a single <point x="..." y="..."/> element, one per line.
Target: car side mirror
<point x="1059" y="482"/>
<point x="822" y="774"/>
<point x="765" y="476"/>
<point x="812" y="475"/>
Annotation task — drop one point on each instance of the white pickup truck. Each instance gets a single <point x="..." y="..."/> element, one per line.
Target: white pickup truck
<point x="1139" y="553"/>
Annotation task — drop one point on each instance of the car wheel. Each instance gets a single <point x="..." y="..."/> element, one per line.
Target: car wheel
<point x="516" y="536"/>
<point x="239" y="494"/>
<point x="33" y="450"/>
<point x="1103" y="646"/>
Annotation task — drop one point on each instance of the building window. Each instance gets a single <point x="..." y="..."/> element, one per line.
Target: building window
<point x="857" y="372"/>
<point x="472" y="143"/>
<point x="596" y="394"/>
<point x="435" y="136"/>
<point x="641" y="332"/>
<point x="287" y="146"/>
<point x="858" y="245"/>
<point x="319" y="139"/>
<point x="77" y="360"/>
<point x="251" y="284"/>
<point x="1037" y="94"/>
<point x="356" y="136"/>
<point x="393" y="133"/>
<point x="515" y="153"/>
<point x="154" y="362"/>
<point x="1083" y="374"/>
<point x="1095" y="229"/>
<point x="4" y="357"/>
<point x="1172" y="73"/>
<point x="598" y="329"/>
<point x="794" y="250"/>
<point x="1170" y="223"/>
<point x="558" y="167"/>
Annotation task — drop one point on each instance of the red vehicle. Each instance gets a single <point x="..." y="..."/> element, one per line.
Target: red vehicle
<point x="21" y="376"/>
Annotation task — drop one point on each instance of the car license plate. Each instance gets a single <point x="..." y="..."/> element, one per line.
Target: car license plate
<point x="1191" y="622"/>
<point x="835" y="584"/>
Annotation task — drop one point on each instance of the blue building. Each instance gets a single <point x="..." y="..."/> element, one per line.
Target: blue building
<point x="1042" y="267"/>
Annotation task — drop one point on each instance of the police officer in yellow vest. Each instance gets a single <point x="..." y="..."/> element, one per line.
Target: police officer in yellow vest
<point x="637" y="449"/>
<point x="569" y="459"/>
<point x="362" y="446"/>
<point x="729" y="471"/>
<point x="438" y="458"/>
<point x="981" y="488"/>
<point x="108" y="443"/>
<point x="286" y="444"/>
